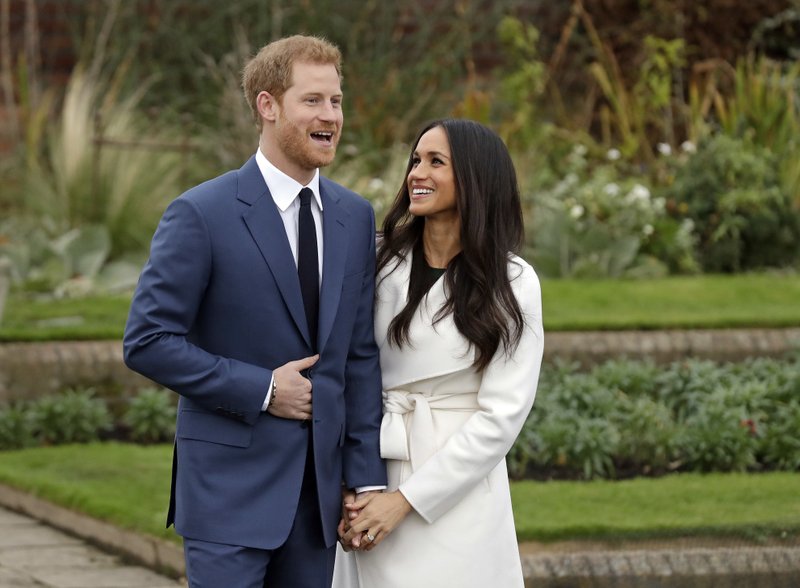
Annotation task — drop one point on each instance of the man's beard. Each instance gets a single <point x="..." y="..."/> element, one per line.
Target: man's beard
<point x="294" y="143"/>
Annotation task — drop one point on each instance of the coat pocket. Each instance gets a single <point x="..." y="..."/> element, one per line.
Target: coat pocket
<point x="205" y="426"/>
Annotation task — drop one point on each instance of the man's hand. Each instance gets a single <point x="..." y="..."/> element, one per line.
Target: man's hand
<point x="348" y="497"/>
<point x="378" y="515"/>
<point x="292" y="394"/>
<point x="350" y="512"/>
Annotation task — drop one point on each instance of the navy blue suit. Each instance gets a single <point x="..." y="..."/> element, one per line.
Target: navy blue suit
<point x="217" y="308"/>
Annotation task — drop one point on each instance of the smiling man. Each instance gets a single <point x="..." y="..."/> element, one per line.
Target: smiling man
<point x="256" y="308"/>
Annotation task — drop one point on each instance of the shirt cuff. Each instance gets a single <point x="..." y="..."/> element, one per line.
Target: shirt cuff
<point x="269" y="395"/>
<point x="361" y="489"/>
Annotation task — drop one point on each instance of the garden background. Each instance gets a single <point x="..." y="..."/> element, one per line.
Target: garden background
<point x="658" y="150"/>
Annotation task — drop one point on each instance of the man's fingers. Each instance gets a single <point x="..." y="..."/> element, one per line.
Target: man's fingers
<point x="305" y="363"/>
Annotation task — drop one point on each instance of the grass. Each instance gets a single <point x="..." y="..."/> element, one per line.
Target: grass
<point x="745" y="300"/>
<point x="43" y="319"/>
<point x="123" y="484"/>
<point x="128" y="485"/>
<point x="681" y="505"/>
<point x="710" y="301"/>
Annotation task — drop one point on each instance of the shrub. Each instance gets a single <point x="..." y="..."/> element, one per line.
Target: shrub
<point x="628" y="417"/>
<point x="76" y="416"/>
<point x="743" y="218"/>
<point x="151" y="416"/>
<point x="780" y="446"/>
<point x="648" y="436"/>
<point x="577" y="443"/>
<point x="717" y="438"/>
<point x="16" y="428"/>
<point x="600" y="220"/>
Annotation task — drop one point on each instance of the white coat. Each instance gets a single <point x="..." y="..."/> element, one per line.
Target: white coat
<point x="445" y="433"/>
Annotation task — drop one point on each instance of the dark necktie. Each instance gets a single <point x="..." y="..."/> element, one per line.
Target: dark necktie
<point x="308" y="263"/>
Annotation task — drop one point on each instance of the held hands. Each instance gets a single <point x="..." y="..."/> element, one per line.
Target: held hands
<point x="377" y="514"/>
<point x="349" y="513"/>
<point x="348" y="498"/>
<point x="292" y="393"/>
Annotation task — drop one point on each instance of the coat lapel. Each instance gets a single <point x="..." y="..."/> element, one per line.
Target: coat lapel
<point x="264" y="222"/>
<point x="334" y="231"/>
<point x="433" y="350"/>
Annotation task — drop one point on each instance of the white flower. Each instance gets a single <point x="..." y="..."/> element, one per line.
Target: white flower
<point x="664" y="149"/>
<point x="659" y="204"/>
<point x="571" y="178"/>
<point x="576" y="211"/>
<point x="611" y="189"/>
<point x="580" y="150"/>
<point x="648" y="229"/>
<point x="375" y="184"/>
<point x="688" y="147"/>
<point x="638" y="192"/>
<point x="613" y="154"/>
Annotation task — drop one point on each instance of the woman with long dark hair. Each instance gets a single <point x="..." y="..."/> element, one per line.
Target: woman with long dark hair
<point x="459" y="324"/>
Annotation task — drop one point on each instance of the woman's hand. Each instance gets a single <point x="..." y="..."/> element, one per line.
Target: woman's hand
<point x="379" y="514"/>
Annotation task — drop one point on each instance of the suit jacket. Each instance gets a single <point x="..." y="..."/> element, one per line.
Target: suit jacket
<point x="217" y="308"/>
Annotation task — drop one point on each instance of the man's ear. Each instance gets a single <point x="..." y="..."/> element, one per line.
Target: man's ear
<point x="268" y="106"/>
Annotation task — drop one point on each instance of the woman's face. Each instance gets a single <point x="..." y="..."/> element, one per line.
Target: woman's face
<point x="431" y="181"/>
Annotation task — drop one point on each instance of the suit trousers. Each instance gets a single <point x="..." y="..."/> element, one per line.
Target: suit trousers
<point x="303" y="561"/>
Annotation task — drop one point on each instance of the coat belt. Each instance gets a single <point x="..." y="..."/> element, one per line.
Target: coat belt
<point x="417" y="444"/>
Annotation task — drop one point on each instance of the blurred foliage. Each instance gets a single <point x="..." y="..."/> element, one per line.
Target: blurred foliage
<point x="626" y="418"/>
<point x="154" y="105"/>
<point x="744" y="218"/>
<point x="150" y="416"/>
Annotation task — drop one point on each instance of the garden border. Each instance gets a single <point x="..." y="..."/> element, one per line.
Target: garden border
<point x="32" y="370"/>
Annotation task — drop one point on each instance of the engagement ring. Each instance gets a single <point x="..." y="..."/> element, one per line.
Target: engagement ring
<point x="370" y="538"/>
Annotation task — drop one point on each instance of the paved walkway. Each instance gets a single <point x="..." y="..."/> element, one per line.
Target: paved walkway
<point x="33" y="555"/>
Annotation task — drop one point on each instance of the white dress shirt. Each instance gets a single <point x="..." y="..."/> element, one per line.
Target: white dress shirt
<point x="285" y="191"/>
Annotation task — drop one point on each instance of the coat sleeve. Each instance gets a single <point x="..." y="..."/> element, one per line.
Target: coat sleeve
<point x="163" y="310"/>
<point x="362" y="463"/>
<point x="505" y="397"/>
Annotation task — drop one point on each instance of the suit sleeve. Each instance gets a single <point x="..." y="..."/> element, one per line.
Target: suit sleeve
<point x="362" y="463"/>
<point x="163" y="310"/>
<point x="505" y="397"/>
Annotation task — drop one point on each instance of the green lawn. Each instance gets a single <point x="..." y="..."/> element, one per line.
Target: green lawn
<point x="746" y="300"/>
<point x="128" y="485"/>
<point x="742" y="505"/>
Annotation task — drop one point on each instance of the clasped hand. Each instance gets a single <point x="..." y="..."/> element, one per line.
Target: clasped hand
<point x="367" y="519"/>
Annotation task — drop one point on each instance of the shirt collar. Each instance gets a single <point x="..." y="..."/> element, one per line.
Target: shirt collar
<point x="284" y="189"/>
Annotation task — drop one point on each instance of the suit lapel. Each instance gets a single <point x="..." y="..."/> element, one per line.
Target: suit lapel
<point x="334" y="231"/>
<point x="264" y="222"/>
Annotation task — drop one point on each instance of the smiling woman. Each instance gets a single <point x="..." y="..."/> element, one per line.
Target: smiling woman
<point x="460" y="352"/>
